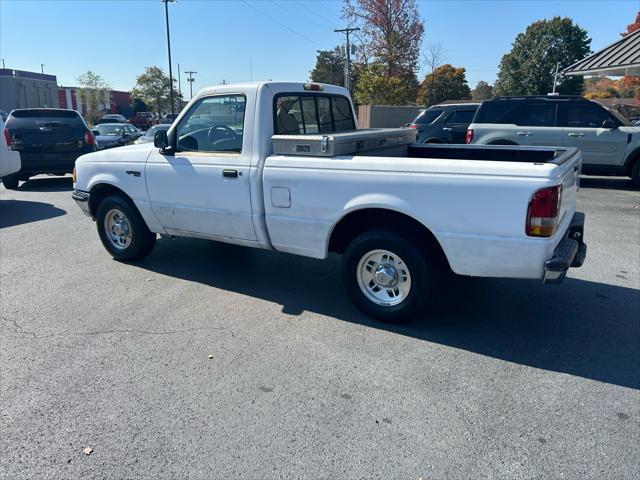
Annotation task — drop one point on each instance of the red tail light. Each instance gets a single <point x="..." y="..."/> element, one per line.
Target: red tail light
<point x="89" y="139"/>
<point x="7" y="137"/>
<point x="469" y="137"/>
<point x="544" y="209"/>
<point x="412" y="125"/>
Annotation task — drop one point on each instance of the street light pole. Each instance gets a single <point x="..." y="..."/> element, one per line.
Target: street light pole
<point x="166" y="16"/>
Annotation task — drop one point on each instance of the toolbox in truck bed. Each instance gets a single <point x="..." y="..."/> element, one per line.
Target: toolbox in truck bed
<point x="344" y="143"/>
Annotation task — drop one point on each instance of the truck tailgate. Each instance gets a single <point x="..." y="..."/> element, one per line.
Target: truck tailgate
<point x="568" y="174"/>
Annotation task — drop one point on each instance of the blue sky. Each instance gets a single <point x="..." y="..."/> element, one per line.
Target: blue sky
<point x="239" y="40"/>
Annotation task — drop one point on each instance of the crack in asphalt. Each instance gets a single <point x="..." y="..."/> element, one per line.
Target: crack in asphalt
<point x="19" y="330"/>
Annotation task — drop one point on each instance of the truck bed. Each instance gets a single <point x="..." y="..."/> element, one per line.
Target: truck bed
<point x="499" y="153"/>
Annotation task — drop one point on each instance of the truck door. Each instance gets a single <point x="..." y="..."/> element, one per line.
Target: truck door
<point x="582" y="128"/>
<point x="204" y="187"/>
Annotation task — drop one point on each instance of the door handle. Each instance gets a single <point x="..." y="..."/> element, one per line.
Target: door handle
<point x="447" y="129"/>
<point x="230" y="173"/>
<point x="573" y="134"/>
<point x="524" y="134"/>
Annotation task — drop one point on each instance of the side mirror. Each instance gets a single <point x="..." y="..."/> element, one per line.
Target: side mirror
<point x="610" y="124"/>
<point x="160" y="139"/>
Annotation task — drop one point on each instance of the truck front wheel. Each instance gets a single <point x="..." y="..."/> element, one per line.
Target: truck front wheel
<point x="122" y="229"/>
<point x="386" y="276"/>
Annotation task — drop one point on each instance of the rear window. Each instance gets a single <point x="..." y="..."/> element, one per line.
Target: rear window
<point x="427" y="117"/>
<point x="308" y="114"/>
<point x="46" y="118"/>
<point x="41" y="113"/>
<point x="498" y="112"/>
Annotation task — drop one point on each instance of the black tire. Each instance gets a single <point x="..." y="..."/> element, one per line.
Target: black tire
<point x="635" y="173"/>
<point x="421" y="275"/>
<point x="141" y="240"/>
<point x="10" y="182"/>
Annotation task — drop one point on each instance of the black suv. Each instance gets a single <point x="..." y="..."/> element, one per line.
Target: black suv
<point x="445" y="123"/>
<point x="49" y="141"/>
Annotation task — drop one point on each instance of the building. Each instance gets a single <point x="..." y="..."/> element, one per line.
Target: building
<point x="22" y="89"/>
<point x="119" y="102"/>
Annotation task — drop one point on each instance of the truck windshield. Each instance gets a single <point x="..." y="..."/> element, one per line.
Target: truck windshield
<point x="297" y="114"/>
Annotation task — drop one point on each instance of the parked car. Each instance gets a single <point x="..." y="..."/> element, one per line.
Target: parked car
<point x="609" y="143"/>
<point x="445" y="123"/>
<point x="150" y="134"/>
<point x="143" y="120"/>
<point x="113" y="118"/>
<point x="109" y="135"/>
<point x="9" y="160"/>
<point x="398" y="221"/>
<point x="169" y="118"/>
<point x="49" y="141"/>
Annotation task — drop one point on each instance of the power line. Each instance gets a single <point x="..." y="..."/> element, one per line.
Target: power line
<point x="302" y="17"/>
<point x="280" y="23"/>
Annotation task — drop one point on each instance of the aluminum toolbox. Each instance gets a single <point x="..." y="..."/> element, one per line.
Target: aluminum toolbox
<point x="346" y="143"/>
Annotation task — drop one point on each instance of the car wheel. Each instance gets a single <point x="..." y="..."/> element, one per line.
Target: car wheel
<point x="386" y="276"/>
<point x="122" y="229"/>
<point x="10" y="182"/>
<point x="635" y="173"/>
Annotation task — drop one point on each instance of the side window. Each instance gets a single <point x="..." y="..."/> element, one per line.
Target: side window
<point x="461" y="116"/>
<point x="539" y="115"/>
<point x="498" y="111"/>
<point x="585" y="115"/>
<point x="214" y="124"/>
<point x="309" y="114"/>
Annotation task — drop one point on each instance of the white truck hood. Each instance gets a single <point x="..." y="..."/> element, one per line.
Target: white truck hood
<point x="129" y="153"/>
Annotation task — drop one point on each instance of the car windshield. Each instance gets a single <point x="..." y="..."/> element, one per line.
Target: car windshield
<point x="109" y="130"/>
<point x="428" y="116"/>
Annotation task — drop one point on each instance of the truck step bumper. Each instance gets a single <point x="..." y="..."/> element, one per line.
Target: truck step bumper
<point x="570" y="252"/>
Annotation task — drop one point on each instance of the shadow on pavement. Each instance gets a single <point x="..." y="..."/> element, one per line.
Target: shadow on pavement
<point x="17" y="212"/>
<point x="47" y="184"/>
<point x="610" y="183"/>
<point x="581" y="328"/>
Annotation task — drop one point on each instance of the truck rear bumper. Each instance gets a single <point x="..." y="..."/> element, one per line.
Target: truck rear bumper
<point x="570" y="252"/>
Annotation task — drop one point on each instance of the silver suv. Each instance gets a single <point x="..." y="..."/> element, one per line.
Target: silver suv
<point x="609" y="143"/>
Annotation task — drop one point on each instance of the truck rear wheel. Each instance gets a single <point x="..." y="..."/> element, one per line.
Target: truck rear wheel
<point x="386" y="276"/>
<point x="122" y="229"/>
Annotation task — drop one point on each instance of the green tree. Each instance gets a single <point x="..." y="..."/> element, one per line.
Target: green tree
<point x="390" y="48"/>
<point x="138" y="105"/>
<point x="483" y="91"/>
<point x="153" y="88"/>
<point x="528" y="69"/>
<point x="95" y="93"/>
<point x="329" y="68"/>
<point x="445" y="83"/>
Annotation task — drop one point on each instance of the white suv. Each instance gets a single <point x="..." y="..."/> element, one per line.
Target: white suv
<point x="609" y="143"/>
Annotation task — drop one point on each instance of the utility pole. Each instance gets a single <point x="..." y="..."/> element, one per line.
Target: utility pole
<point x="179" y="87"/>
<point x="3" y="63"/>
<point x="190" y="80"/>
<point x="555" y="79"/>
<point x="42" y="65"/>
<point x="166" y="17"/>
<point x="347" y="72"/>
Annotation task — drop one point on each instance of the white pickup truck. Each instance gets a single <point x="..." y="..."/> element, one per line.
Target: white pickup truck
<point x="400" y="218"/>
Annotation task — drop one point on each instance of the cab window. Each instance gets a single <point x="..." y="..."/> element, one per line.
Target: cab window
<point x="214" y="124"/>
<point x="311" y="114"/>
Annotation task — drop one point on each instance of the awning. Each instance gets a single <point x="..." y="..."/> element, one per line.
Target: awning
<point x="618" y="59"/>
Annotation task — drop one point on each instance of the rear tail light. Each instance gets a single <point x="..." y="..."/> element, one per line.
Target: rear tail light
<point x="412" y="125"/>
<point x="544" y="209"/>
<point x="89" y="139"/>
<point x="469" y="137"/>
<point x="7" y="137"/>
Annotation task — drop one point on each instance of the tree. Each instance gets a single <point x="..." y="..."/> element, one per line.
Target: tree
<point x="445" y="83"/>
<point x="433" y="58"/>
<point x="138" y="105"/>
<point x="330" y="66"/>
<point x="391" y="36"/>
<point x="483" y="91"/>
<point x="96" y="94"/>
<point x="632" y="27"/>
<point x="528" y="69"/>
<point x="153" y="88"/>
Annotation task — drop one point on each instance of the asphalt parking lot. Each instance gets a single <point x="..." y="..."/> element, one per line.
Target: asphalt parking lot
<point x="500" y="379"/>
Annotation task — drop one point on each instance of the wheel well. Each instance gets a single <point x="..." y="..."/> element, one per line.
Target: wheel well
<point x="360" y="221"/>
<point x="632" y="160"/>
<point x="99" y="192"/>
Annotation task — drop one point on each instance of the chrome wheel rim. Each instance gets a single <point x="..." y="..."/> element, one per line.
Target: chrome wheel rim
<point x="383" y="277"/>
<point x="118" y="229"/>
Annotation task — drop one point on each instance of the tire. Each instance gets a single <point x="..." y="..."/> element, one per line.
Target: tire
<point x="10" y="182"/>
<point x="635" y="173"/>
<point x="402" y="290"/>
<point x="122" y="229"/>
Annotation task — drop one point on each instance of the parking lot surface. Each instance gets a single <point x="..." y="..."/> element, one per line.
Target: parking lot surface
<point x="500" y="379"/>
